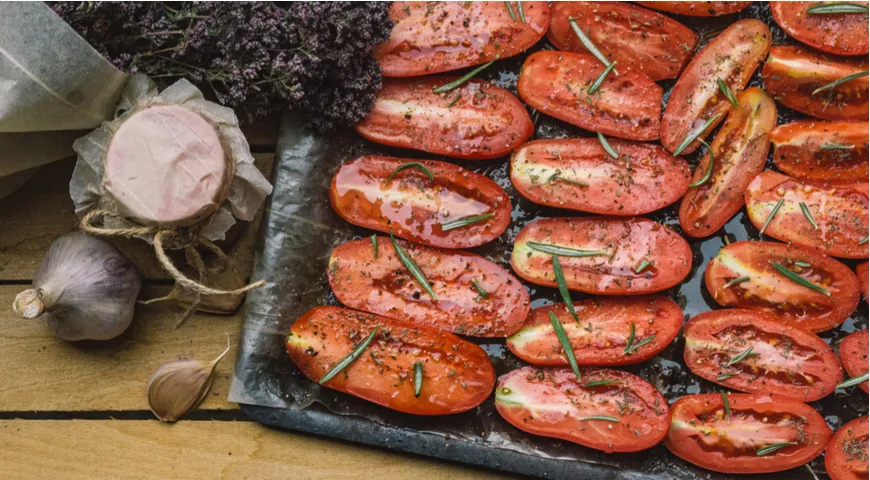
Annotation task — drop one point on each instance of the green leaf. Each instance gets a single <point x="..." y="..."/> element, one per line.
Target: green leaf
<point x="837" y="8"/>
<point x="845" y="79"/>
<point x="598" y="81"/>
<point x="607" y="147"/>
<point x="459" y="81"/>
<point x="566" y="344"/>
<point x="565" y="251"/>
<point x="709" y="172"/>
<point x="465" y="221"/>
<point x="694" y="134"/>
<point x="563" y="287"/>
<point x="418" y="378"/>
<point x="772" y="214"/>
<point x="416" y="165"/>
<point x="346" y="361"/>
<point x="726" y="90"/>
<point x="412" y="267"/>
<point x="772" y="448"/>
<point x="794" y="277"/>
<point x="854" y="381"/>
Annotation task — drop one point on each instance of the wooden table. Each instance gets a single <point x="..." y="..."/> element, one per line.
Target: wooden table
<point x="75" y="411"/>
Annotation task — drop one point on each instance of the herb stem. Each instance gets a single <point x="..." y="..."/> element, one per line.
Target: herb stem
<point x="709" y="172"/>
<point x="346" y="361"/>
<point x="375" y="244"/>
<point x="726" y="90"/>
<point x="510" y="10"/>
<point x="772" y="448"/>
<point x="418" y="378"/>
<point x="847" y="78"/>
<point x="727" y="406"/>
<point x="836" y="8"/>
<point x="854" y="381"/>
<point x="605" y="418"/>
<point x="735" y="282"/>
<point x="412" y="267"/>
<point x="461" y="80"/>
<point x="415" y="165"/>
<point x="835" y="146"/>
<point x="521" y="11"/>
<point x="566" y="344"/>
<point x="563" y="287"/>
<point x="462" y="222"/>
<point x="588" y="43"/>
<point x="598" y="81"/>
<point x="607" y="147"/>
<point x="694" y="134"/>
<point x="794" y="277"/>
<point x="739" y="358"/>
<point x="772" y="214"/>
<point x="480" y="290"/>
<point x="565" y="251"/>
<point x="809" y="215"/>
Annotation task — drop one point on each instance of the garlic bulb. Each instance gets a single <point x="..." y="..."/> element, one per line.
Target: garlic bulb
<point x="84" y="289"/>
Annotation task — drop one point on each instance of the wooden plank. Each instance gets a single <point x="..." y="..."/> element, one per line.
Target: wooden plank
<point x="111" y="449"/>
<point x="262" y="135"/>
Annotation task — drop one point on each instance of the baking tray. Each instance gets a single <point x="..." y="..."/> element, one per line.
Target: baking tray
<point x="299" y="231"/>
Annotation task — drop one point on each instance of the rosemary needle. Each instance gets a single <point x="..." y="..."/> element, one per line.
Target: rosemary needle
<point x="794" y="277"/>
<point x="415" y="165"/>
<point x="772" y="214"/>
<point x="346" y="361"/>
<point x="694" y="134"/>
<point x="565" y="251"/>
<point x="606" y="145"/>
<point x="412" y="267"/>
<point x="566" y="344"/>
<point x="459" y="81"/>
<point x="563" y="287"/>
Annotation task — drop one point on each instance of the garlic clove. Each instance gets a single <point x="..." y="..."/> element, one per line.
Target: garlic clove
<point x="177" y="387"/>
<point x="29" y="304"/>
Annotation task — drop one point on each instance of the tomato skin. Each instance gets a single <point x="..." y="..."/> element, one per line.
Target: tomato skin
<point x="634" y="37"/>
<point x="485" y="121"/>
<point x="696" y="97"/>
<point x="846" y="455"/>
<point x="853" y="353"/>
<point x="840" y="34"/>
<point x="740" y="149"/>
<point x="792" y="73"/>
<point x="757" y="421"/>
<point x="413" y="207"/>
<point x="635" y="240"/>
<point x="698" y="9"/>
<point x="438" y="37"/>
<point x="653" y="179"/>
<point x="323" y="336"/>
<point x="551" y="402"/>
<point x="840" y="211"/>
<point x="787" y="361"/>
<point x="383" y="286"/>
<point x="600" y="337"/>
<point x="769" y="291"/>
<point x="625" y="106"/>
<point x="863" y="270"/>
<point x="798" y="150"/>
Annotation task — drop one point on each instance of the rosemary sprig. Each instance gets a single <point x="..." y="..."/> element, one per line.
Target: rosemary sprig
<point x="835" y="146"/>
<point x="346" y="361"/>
<point x="468" y="76"/>
<point x="605" y="418"/>
<point x="794" y="277"/>
<point x="843" y="80"/>
<point x="456" y="99"/>
<point x="772" y="214"/>
<point x="854" y="381"/>
<point x="480" y="290"/>
<point x="772" y="448"/>
<point x="724" y="376"/>
<point x="462" y="222"/>
<point x="709" y="172"/>
<point x="694" y="134"/>
<point x="739" y="358"/>
<point x="563" y="287"/>
<point x="735" y="282"/>
<point x="566" y="344"/>
<point x="412" y="267"/>
<point x="809" y="215"/>
<point x="416" y="165"/>
<point x="727" y="406"/>
<point x="835" y="8"/>
<point x="375" y="244"/>
<point x="601" y="383"/>
<point x="510" y="10"/>
<point x="418" y="378"/>
<point x="521" y="11"/>
<point x="565" y="251"/>
<point x="863" y="240"/>
<point x="598" y="81"/>
<point x="726" y="90"/>
<point x="588" y="43"/>
<point x="631" y="346"/>
<point x="607" y="147"/>
<point x="558" y="176"/>
<point x="640" y="267"/>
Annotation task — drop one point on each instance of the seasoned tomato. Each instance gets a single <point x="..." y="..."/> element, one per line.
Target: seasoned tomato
<point x="833" y="221"/>
<point x="704" y="433"/>
<point x="822" y="151"/>
<point x="457" y="374"/>
<point x="838" y="33"/>
<point x="475" y="121"/>
<point x="434" y="37"/>
<point x="474" y="296"/>
<point x="740" y="151"/>
<point x="627" y="105"/>
<point x="634" y="37"/>
<point x="698" y="9"/>
<point x="744" y="275"/>
<point x="862" y="270"/>
<point x="608" y="410"/>
<point x="696" y="98"/>
<point x="578" y="174"/>
<point x="413" y="206"/>
<point x="603" y="335"/>
<point x="846" y="455"/>
<point x="754" y="352"/>
<point x="792" y="74"/>
<point x="607" y="256"/>
<point x="853" y="353"/>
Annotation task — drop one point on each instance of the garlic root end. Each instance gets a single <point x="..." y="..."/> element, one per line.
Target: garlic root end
<point x="29" y="304"/>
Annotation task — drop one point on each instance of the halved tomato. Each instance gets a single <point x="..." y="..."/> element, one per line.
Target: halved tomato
<point x="696" y="98"/>
<point x="457" y="375"/>
<point x="832" y="219"/>
<point x="792" y="74"/>
<point x="607" y="256"/>
<point x="603" y="335"/>
<point x="474" y="296"/>
<point x="627" y="105"/>
<point x="743" y="436"/>
<point x="634" y="37"/>
<point x="477" y="120"/>
<point x="838" y="33"/>
<point x="578" y="174"/>
<point x="434" y="37"/>
<point x="608" y="410"/>
<point x="862" y="270"/>
<point x="698" y="9"/>
<point x="744" y="275"/>
<point x="740" y="151"/>
<point x="754" y="352"/>
<point x="846" y="455"/>
<point x="822" y="151"/>
<point x="853" y="353"/>
<point x="366" y="192"/>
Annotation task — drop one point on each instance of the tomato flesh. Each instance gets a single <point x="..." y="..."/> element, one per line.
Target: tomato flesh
<point x="457" y="374"/>
<point x="600" y="337"/>
<point x="698" y="9"/>
<point x="863" y="270"/>
<point x="552" y="402"/>
<point x="853" y="353"/>
<point x="846" y="455"/>
<point x="840" y="33"/>
<point x="578" y="174"/>
<point x="770" y="291"/>
<point x="557" y="84"/>
<point x="822" y="151"/>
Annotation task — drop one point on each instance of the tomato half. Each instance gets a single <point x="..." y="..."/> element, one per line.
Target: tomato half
<point x="383" y="285"/>
<point x="629" y="256"/>
<point x="434" y="37"/>
<point x="704" y="434"/>
<point x="839" y="211"/>
<point x="634" y="37"/>
<point x="608" y="410"/>
<point x="416" y="208"/>
<point x="822" y="151"/>
<point x="601" y="336"/>
<point x="791" y="74"/>
<point x="863" y="270"/>
<point x="578" y="174"/>
<point x="698" y="9"/>
<point x="846" y="455"/>
<point x="840" y="33"/>
<point x="457" y="374"/>
<point x="770" y="291"/>
<point x="627" y="105"/>
<point x="696" y="98"/>
<point x="853" y="353"/>
<point x="740" y="152"/>
<point x="477" y="120"/>
<point x="782" y="360"/>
